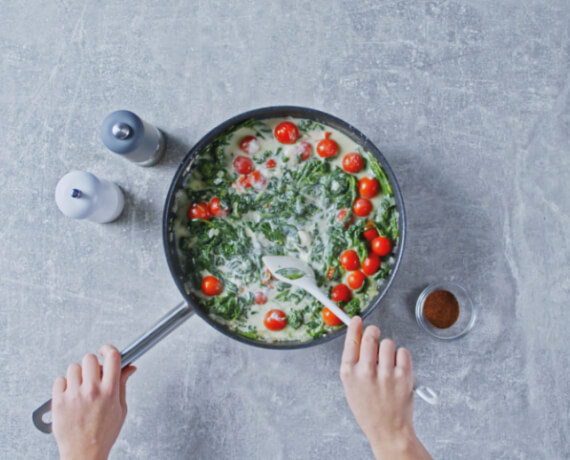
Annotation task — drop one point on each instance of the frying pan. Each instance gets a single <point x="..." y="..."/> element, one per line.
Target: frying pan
<point x="190" y="304"/>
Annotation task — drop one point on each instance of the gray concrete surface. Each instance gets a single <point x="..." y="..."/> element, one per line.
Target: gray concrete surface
<point x="470" y="103"/>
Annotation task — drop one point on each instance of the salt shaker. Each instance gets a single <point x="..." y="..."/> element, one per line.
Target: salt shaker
<point x="126" y="134"/>
<point x="81" y="195"/>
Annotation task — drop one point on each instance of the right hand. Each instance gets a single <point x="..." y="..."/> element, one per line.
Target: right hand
<point x="378" y="382"/>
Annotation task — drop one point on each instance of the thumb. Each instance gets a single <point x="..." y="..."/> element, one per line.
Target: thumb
<point x="125" y="374"/>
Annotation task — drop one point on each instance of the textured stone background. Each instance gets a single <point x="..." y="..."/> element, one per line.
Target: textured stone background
<point x="470" y="103"/>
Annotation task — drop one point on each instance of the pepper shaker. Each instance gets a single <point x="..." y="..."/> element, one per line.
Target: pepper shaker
<point x="126" y="134"/>
<point x="81" y="195"/>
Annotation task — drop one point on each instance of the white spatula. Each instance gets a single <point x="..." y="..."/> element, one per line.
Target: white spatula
<point x="297" y="273"/>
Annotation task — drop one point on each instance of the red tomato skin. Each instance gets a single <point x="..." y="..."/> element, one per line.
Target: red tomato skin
<point x="249" y="145"/>
<point x="329" y="318"/>
<point x="362" y="207"/>
<point x="356" y="279"/>
<point x="199" y="211"/>
<point x="260" y="298"/>
<point x="349" y="260"/>
<point x="270" y="164"/>
<point x="211" y="285"/>
<point x="341" y="293"/>
<point x="382" y="246"/>
<point x="256" y="180"/>
<point x="352" y="162"/>
<point x="368" y="188"/>
<point x="275" y="320"/>
<point x="326" y="147"/>
<point x="342" y="215"/>
<point x="243" y="165"/>
<point x="216" y="209"/>
<point x="371" y="264"/>
<point x="286" y="132"/>
<point x="370" y="231"/>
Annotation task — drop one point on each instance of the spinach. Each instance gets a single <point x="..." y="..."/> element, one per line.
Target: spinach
<point x="291" y="273"/>
<point x="380" y="175"/>
<point x="296" y="318"/>
<point x="352" y="308"/>
<point x="305" y="126"/>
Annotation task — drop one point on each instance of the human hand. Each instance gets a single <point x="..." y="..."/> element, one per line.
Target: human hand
<point x="378" y="383"/>
<point x="88" y="408"/>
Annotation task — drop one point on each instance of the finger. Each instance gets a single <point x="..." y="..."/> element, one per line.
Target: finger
<point x="111" y="367"/>
<point x="59" y="386"/>
<point x="352" y="341"/>
<point x="73" y="376"/>
<point x="91" y="369"/>
<point x="369" y="347"/>
<point x="404" y="359"/>
<point x="127" y="372"/>
<point x="386" y="357"/>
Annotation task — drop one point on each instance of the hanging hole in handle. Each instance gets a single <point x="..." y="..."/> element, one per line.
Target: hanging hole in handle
<point x="427" y="394"/>
<point x="42" y="417"/>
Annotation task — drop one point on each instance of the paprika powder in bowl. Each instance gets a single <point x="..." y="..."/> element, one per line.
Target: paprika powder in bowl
<point x="445" y="310"/>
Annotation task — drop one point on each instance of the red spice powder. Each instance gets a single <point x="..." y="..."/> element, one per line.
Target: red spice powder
<point x="441" y="309"/>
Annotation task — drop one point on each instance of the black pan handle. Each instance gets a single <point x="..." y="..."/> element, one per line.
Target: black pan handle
<point x="139" y="347"/>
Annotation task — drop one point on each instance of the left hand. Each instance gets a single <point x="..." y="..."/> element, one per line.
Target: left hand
<point x="89" y="406"/>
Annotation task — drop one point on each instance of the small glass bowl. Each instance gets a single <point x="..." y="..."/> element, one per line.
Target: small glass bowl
<point x="467" y="311"/>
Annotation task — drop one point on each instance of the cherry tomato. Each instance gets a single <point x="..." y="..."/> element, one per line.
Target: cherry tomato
<point x="256" y="180"/>
<point x="260" y="298"/>
<point x="329" y="318"/>
<point x="211" y="285"/>
<point x="286" y="132"/>
<point x="216" y="208"/>
<point x="356" y="279"/>
<point x="381" y="246"/>
<point x="362" y="207"/>
<point x="243" y="165"/>
<point x="330" y="273"/>
<point x="371" y="264"/>
<point x="249" y="144"/>
<point x="303" y="149"/>
<point x="368" y="188"/>
<point x="349" y="260"/>
<point x="352" y="162"/>
<point x="270" y="164"/>
<point x="275" y="320"/>
<point x="370" y="231"/>
<point x="243" y="181"/>
<point x="199" y="211"/>
<point x="327" y="147"/>
<point x="341" y="216"/>
<point x="341" y="293"/>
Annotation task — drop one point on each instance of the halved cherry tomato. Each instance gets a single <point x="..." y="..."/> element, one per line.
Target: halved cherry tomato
<point x="257" y="180"/>
<point x="242" y="181"/>
<point x="270" y="164"/>
<point x="303" y="149"/>
<point x="371" y="264"/>
<point x="211" y="285"/>
<point x="329" y="318"/>
<point x="216" y="208"/>
<point x="286" y="132"/>
<point x="327" y="147"/>
<point x="362" y="207"/>
<point x="275" y="320"/>
<point x="349" y="260"/>
<point x="368" y="188"/>
<point x="370" y="231"/>
<point x="249" y="144"/>
<point x="356" y="279"/>
<point x="341" y="293"/>
<point x="330" y="273"/>
<point x="352" y="162"/>
<point x="382" y="246"/>
<point x="243" y="165"/>
<point x="199" y="211"/>
<point x="341" y="216"/>
<point x="260" y="297"/>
